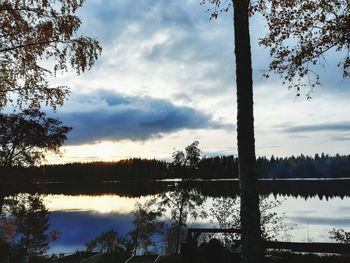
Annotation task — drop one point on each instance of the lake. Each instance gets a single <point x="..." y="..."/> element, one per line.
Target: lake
<point x="312" y="207"/>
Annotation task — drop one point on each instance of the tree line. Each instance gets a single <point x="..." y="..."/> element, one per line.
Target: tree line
<point x="219" y="167"/>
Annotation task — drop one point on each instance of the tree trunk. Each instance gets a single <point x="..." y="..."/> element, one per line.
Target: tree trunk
<point x="3" y="181"/>
<point x="136" y="238"/>
<point x="252" y="251"/>
<point x="178" y="232"/>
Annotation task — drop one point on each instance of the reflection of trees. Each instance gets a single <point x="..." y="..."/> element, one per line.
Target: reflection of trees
<point x="146" y="225"/>
<point x="25" y="226"/>
<point x="299" y="188"/>
<point x="294" y="188"/>
<point x="307" y="188"/>
<point x="109" y="242"/>
<point x="225" y="214"/>
<point x="182" y="203"/>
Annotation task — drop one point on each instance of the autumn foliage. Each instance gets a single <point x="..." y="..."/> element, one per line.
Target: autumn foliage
<point x="301" y="32"/>
<point x="35" y="32"/>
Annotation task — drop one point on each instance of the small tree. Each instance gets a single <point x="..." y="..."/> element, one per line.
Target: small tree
<point x="340" y="235"/>
<point x="225" y="214"/>
<point x="186" y="162"/>
<point x="193" y="154"/>
<point x="146" y="225"/>
<point x="179" y="159"/>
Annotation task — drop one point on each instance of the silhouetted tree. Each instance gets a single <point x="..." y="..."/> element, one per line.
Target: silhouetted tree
<point x="340" y="235"/>
<point x="193" y="154"/>
<point x="179" y="159"/>
<point x="27" y="136"/>
<point x="28" y="220"/>
<point x="186" y="163"/>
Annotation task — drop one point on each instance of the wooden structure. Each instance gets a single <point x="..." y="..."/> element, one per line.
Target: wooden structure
<point x="144" y="259"/>
<point x="318" y="247"/>
<point x="189" y="248"/>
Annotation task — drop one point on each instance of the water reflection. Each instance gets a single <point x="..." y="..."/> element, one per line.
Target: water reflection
<point x="25" y="231"/>
<point x="84" y="211"/>
<point x="310" y="218"/>
<point x="79" y="227"/>
<point x="296" y="188"/>
<point x="313" y="218"/>
<point x="96" y="203"/>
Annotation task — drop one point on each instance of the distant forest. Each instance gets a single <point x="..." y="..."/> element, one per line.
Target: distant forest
<point x="223" y="167"/>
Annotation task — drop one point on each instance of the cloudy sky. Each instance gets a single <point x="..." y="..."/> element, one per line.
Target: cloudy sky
<point x="166" y="78"/>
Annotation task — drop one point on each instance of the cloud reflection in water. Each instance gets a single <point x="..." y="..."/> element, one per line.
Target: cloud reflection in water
<point x="79" y="227"/>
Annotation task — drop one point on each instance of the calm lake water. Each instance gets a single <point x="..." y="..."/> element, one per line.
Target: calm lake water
<point x="83" y="217"/>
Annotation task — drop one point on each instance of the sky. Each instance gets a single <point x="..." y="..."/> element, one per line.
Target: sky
<point x="166" y="77"/>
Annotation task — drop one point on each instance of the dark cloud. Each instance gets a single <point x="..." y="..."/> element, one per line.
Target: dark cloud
<point x="320" y="220"/>
<point x="345" y="137"/>
<point x="111" y="116"/>
<point x="338" y="126"/>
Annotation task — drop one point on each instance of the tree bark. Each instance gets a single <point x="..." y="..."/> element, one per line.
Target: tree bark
<point x="252" y="251"/>
<point x="178" y="232"/>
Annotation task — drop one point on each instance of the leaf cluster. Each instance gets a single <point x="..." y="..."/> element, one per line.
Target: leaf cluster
<point x="218" y="6"/>
<point x="34" y="31"/>
<point x="301" y="32"/>
<point x="25" y="137"/>
<point x="340" y="235"/>
<point x="188" y="159"/>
